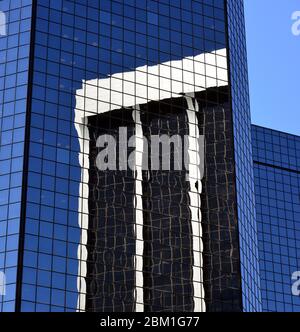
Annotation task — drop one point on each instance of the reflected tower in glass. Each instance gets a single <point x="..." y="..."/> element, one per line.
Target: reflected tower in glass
<point x="80" y="238"/>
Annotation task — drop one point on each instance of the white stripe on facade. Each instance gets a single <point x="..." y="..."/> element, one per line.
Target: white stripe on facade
<point x="194" y="178"/>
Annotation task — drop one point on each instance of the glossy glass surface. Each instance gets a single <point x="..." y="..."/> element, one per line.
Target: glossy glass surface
<point x="243" y="156"/>
<point x="166" y="62"/>
<point x="14" y="62"/>
<point x="92" y="42"/>
<point x="277" y="187"/>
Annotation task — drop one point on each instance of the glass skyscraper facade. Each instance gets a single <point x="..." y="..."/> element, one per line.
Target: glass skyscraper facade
<point x="277" y="186"/>
<point x="14" y="71"/>
<point x="243" y="156"/>
<point x="74" y="237"/>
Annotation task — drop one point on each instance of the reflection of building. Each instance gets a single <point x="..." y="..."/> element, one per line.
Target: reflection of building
<point x="176" y="233"/>
<point x="277" y="188"/>
<point x="74" y="238"/>
<point x="162" y="242"/>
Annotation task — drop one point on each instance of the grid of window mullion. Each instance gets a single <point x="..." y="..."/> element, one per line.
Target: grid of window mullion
<point x="277" y="184"/>
<point x="14" y="67"/>
<point x="83" y="62"/>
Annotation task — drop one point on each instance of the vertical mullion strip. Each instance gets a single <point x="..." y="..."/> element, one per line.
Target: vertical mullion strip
<point x="194" y="178"/>
<point x="81" y="125"/>
<point x="26" y="160"/>
<point x="138" y="204"/>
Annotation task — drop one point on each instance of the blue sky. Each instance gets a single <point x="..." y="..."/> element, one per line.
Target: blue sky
<point x="274" y="64"/>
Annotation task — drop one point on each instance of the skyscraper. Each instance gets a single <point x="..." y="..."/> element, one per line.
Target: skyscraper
<point x="277" y="186"/>
<point x="75" y="237"/>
